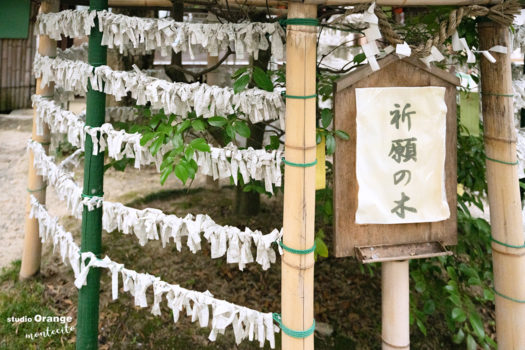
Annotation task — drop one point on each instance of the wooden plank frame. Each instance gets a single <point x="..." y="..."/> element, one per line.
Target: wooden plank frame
<point x="348" y="235"/>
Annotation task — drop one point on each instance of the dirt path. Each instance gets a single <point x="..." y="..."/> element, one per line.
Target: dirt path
<point x="15" y="130"/>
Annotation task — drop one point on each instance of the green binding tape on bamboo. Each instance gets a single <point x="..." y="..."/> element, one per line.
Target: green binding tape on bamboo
<point x="291" y="332"/>
<point x="297" y="251"/>
<point x="46" y="143"/>
<point x="299" y="165"/>
<point x="502" y="161"/>
<point x="92" y="195"/>
<point x="301" y="97"/>
<point x="508" y="298"/>
<point x="37" y="190"/>
<point x="506" y="244"/>
<point x="300" y="22"/>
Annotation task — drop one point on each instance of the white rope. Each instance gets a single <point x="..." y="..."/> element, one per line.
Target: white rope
<point x="147" y="34"/>
<point x="177" y="98"/>
<point x="247" y="324"/>
<point x="519" y="38"/>
<point x="518" y="86"/>
<point x="220" y="163"/>
<point x="152" y="224"/>
<point x="74" y="53"/>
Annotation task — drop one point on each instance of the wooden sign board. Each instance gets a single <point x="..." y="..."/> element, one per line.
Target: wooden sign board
<point x="350" y="236"/>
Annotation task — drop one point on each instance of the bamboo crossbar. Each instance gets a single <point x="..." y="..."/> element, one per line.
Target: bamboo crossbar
<point x="280" y="4"/>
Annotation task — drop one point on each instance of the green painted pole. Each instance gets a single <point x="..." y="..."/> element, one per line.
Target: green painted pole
<point x="88" y="298"/>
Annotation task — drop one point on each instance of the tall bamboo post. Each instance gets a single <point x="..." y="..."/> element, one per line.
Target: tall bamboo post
<point x="297" y="283"/>
<point x="88" y="298"/>
<point x="504" y="198"/>
<point x="35" y="183"/>
<point x="395" y="331"/>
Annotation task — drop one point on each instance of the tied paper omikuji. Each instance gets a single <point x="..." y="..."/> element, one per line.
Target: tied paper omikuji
<point x="400" y="155"/>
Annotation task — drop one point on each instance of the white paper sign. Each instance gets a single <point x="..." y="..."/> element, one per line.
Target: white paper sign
<point x="400" y="155"/>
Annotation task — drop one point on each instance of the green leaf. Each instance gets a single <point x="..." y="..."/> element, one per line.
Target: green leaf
<point x="198" y="124"/>
<point x="181" y="172"/>
<point x="458" y="315"/>
<point x="477" y="325"/>
<point x="429" y="307"/>
<point x="183" y="126"/>
<point x="471" y="343"/>
<point x="164" y="176"/>
<point x="342" y="135"/>
<point x="146" y="137"/>
<point x="241" y="83"/>
<point x="155" y="146"/>
<point x="261" y="79"/>
<point x="421" y="326"/>
<point x="230" y="131"/>
<point x="200" y="144"/>
<point x="217" y="121"/>
<point x="488" y="294"/>
<point x="188" y="153"/>
<point x="326" y="117"/>
<point x="274" y="143"/>
<point x="239" y="72"/>
<point x="359" y="58"/>
<point x="320" y="247"/>
<point x="330" y="144"/>
<point x="458" y="337"/>
<point x="242" y="129"/>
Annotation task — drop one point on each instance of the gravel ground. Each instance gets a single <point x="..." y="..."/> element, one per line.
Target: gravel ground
<point x="15" y="130"/>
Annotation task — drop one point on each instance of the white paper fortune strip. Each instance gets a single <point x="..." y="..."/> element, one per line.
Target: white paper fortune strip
<point x="147" y="34"/>
<point x="152" y="224"/>
<point x="519" y="38"/>
<point x="177" y="98"/>
<point x="247" y="324"/>
<point x="519" y="94"/>
<point x="220" y="163"/>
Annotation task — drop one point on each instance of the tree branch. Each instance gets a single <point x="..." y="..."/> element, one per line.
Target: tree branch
<point x="197" y="75"/>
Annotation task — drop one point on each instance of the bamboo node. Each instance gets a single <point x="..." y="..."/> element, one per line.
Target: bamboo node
<point x="300" y="268"/>
<point x="499" y="139"/>
<point x="395" y="346"/>
<point x="299" y="148"/>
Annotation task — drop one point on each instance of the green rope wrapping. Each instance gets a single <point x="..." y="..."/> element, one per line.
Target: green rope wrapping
<point x="299" y="165"/>
<point x="297" y="251"/>
<point x="506" y="244"/>
<point x="46" y="143"/>
<point x="301" y="97"/>
<point x="314" y="22"/>
<point x="508" y="298"/>
<point x="92" y="195"/>
<point x="502" y="161"/>
<point x="37" y="190"/>
<point x="291" y="332"/>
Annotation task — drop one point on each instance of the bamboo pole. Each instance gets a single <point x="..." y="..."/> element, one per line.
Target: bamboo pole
<point x="35" y="183"/>
<point x="395" y="331"/>
<point x="88" y="298"/>
<point x="297" y="283"/>
<point x="503" y="193"/>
